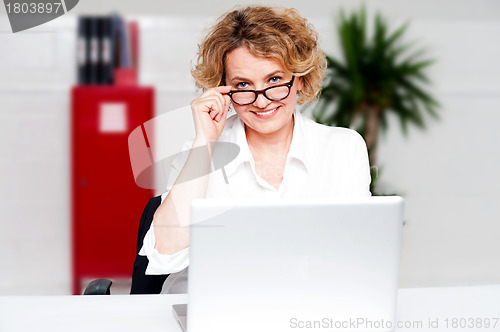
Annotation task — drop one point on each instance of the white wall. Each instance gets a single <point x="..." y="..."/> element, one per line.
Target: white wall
<point x="447" y="173"/>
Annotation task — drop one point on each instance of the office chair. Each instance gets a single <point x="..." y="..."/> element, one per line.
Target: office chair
<point x="141" y="283"/>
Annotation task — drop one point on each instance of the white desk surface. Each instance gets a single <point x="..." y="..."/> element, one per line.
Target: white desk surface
<point x="154" y="313"/>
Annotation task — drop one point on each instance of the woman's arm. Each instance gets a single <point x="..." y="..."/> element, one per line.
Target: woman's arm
<point x="171" y="219"/>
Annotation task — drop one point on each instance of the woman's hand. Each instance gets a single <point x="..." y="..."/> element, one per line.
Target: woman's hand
<point x="210" y="112"/>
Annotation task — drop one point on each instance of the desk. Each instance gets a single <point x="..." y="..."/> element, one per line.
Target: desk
<point x="153" y="312"/>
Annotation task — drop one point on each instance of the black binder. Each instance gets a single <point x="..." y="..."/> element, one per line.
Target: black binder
<point x="93" y="51"/>
<point x="83" y="50"/>
<point x="106" y="51"/>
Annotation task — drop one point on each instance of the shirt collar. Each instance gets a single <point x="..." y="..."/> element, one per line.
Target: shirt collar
<point x="298" y="147"/>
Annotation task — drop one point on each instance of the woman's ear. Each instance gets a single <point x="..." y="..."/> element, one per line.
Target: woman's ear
<point x="300" y="83"/>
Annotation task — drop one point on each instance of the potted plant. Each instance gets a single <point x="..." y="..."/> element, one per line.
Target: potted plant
<point x="376" y="75"/>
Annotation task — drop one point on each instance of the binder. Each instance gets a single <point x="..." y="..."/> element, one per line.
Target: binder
<point x="106" y="64"/>
<point x="83" y="50"/>
<point x="134" y="43"/>
<point x="122" y="43"/>
<point x="93" y="51"/>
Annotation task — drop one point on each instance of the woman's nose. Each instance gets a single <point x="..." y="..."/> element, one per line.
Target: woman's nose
<point x="261" y="101"/>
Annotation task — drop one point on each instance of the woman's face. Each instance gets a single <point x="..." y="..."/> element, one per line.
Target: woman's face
<point x="245" y="71"/>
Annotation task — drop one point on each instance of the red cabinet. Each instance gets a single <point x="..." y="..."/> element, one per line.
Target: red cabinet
<point x="106" y="202"/>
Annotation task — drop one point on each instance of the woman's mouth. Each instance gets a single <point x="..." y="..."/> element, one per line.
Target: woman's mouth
<point x="266" y="114"/>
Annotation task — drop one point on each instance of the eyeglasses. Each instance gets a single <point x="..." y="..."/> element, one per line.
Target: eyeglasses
<point x="273" y="93"/>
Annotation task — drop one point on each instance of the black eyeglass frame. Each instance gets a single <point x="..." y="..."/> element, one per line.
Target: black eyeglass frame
<point x="257" y="93"/>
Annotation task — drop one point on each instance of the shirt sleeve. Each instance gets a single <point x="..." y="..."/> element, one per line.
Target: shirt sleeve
<point x="160" y="263"/>
<point x="360" y="177"/>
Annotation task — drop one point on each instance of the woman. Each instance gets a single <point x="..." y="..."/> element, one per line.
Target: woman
<point x="262" y="61"/>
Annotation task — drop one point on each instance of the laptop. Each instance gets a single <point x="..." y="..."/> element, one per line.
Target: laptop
<point x="293" y="264"/>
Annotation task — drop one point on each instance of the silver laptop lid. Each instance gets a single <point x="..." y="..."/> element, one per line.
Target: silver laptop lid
<point x="279" y="265"/>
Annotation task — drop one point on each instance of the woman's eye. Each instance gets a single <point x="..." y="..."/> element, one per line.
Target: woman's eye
<point x="275" y="79"/>
<point x="241" y="85"/>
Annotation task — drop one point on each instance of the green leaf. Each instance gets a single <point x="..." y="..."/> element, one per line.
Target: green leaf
<point x="396" y="35"/>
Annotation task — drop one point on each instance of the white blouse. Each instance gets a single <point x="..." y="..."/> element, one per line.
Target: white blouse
<point x="322" y="161"/>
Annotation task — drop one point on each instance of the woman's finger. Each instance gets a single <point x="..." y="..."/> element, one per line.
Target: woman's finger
<point x="227" y="103"/>
<point x="223" y="89"/>
<point x="210" y="105"/>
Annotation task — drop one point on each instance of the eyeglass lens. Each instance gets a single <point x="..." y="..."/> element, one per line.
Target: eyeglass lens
<point x="248" y="97"/>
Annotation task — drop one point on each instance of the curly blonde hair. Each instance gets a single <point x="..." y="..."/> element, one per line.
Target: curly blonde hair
<point x="277" y="33"/>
